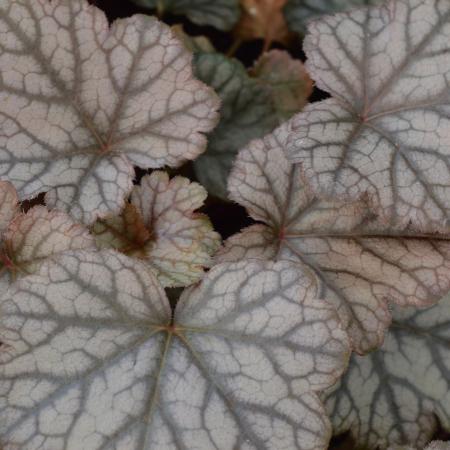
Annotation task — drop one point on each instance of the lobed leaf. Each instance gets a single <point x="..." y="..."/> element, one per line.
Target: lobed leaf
<point x="29" y="239"/>
<point x="96" y="358"/>
<point x="222" y="14"/>
<point x="246" y="113"/>
<point x="299" y="12"/>
<point x="40" y="234"/>
<point x="161" y="227"/>
<point x="82" y="102"/>
<point x="362" y="264"/>
<point x="253" y="104"/>
<point x="397" y="395"/>
<point x="286" y="80"/>
<point x="9" y="204"/>
<point x="385" y="130"/>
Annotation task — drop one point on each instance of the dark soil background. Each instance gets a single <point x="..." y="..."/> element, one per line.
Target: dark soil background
<point x="227" y="218"/>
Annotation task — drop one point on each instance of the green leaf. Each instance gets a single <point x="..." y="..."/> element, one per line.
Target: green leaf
<point x="195" y="44"/>
<point x="253" y="104"/>
<point x="299" y="12"/>
<point x="222" y="14"/>
<point x="246" y="114"/>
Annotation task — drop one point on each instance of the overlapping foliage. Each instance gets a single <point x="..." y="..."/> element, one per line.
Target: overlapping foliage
<point x="397" y="394"/>
<point x="160" y="227"/>
<point x="348" y="250"/>
<point x="385" y="130"/>
<point x="362" y="263"/>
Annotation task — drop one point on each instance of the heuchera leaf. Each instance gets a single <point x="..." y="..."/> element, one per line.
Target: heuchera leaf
<point x="263" y="19"/>
<point x="397" y="394"/>
<point x="362" y="264"/>
<point x="82" y="102"/>
<point x="9" y="204"/>
<point x="222" y="14"/>
<point x="246" y="113"/>
<point x="434" y="445"/>
<point x="286" y="80"/>
<point x="40" y="234"/>
<point x="438" y="445"/>
<point x="385" y="130"/>
<point x="299" y="12"/>
<point x="161" y="227"/>
<point x="96" y="358"/>
<point x="29" y="239"/>
<point x="253" y="104"/>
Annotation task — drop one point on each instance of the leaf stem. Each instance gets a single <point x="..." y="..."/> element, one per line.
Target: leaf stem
<point x="234" y="47"/>
<point x="267" y="44"/>
<point x="160" y="9"/>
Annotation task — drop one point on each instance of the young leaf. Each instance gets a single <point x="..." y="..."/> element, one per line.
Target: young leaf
<point x="397" y="394"/>
<point x="81" y="103"/>
<point x="362" y="265"/>
<point x="385" y="131"/>
<point x="299" y="12"/>
<point x="222" y="14"/>
<point x="29" y="239"/>
<point x="9" y="205"/>
<point x="263" y="19"/>
<point x="96" y="359"/>
<point x="246" y="113"/>
<point x="160" y="226"/>
<point x="38" y="235"/>
<point x="286" y="80"/>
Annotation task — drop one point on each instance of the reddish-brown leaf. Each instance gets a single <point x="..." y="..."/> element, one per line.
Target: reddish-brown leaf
<point x="263" y="19"/>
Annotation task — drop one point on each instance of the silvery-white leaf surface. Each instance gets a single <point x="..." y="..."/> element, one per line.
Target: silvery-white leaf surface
<point x="95" y="359"/>
<point x="384" y="132"/>
<point x="434" y="445"/>
<point x="160" y="226"/>
<point x="29" y="239"/>
<point x="82" y="102"/>
<point x="398" y="394"/>
<point x="362" y="263"/>
<point x="9" y="204"/>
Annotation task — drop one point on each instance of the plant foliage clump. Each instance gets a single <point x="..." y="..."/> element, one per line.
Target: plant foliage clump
<point x="126" y="323"/>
